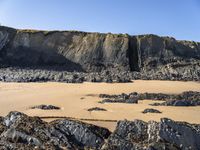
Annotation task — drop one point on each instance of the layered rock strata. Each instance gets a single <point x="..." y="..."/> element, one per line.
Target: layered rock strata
<point x="150" y="55"/>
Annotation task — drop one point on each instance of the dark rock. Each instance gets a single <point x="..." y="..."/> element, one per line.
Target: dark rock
<point x="182" y="135"/>
<point x="2" y="126"/>
<point x="81" y="134"/>
<point x="153" y="135"/>
<point x="162" y="146"/>
<point x="45" y="107"/>
<point x="123" y="95"/>
<point x="122" y="98"/>
<point x="156" y="104"/>
<point x="19" y="137"/>
<point x="188" y="95"/>
<point x="155" y="96"/>
<point x="96" y="109"/>
<point x="107" y="96"/>
<point x="132" y="130"/>
<point x="105" y="57"/>
<point x="115" y="142"/>
<point x="179" y="103"/>
<point x="32" y="130"/>
<point x="130" y="100"/>
<point x="151" y="110"/>
<point x="19" y="131"/>
<point x="188" y="98"/>
<point x="128" y="135"/>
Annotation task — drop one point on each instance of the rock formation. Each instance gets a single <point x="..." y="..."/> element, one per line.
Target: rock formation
<point x="151" y="110"/>
<point x="152" y="56"/>
<point x="19" y="131"/>
<point x="45" y="107"/>
<point x="187" y="98"/>
<point x="96" y="109"/>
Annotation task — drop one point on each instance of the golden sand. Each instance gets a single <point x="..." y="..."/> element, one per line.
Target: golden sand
<point x="75" y="99"/>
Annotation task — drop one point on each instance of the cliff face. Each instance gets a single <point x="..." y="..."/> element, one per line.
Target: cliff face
<point x="92" y="51"/>
<point x="154" y="51"/>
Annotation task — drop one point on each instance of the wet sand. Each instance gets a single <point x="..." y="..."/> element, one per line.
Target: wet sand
<point x="75" y="99"/>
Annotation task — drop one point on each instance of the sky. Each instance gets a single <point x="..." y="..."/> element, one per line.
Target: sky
<point x="176" y="18"/>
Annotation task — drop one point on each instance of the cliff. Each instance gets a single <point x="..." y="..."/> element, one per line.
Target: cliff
<point x="92" y="52"/>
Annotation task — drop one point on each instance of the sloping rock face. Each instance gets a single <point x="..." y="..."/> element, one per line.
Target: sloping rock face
<point x="167" y="56"/>
<point x="19" y="131"/>
<point x="91" y="52"/>
<point x="152" y="135"/>
<point x="154" y="51"/>
<point x="74" y="50"/>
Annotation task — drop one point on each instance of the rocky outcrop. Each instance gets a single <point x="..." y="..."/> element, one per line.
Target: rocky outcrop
<point x="81" y="134"/>
<point x="130" y="101"/>
<point x="166" y="134"/>
<point x="151" y="55"/>
<point x="187" y="98"/>
<point x="46" y="107"/>
<point x="19" y="131"/>
<point x="128" y="135"/>
<point x="178" y="103"/>
<point x="43" y="75"/>
<point x="123" y="98"/>
<point x="150" y="110"/>
<point x="96" y="109"/>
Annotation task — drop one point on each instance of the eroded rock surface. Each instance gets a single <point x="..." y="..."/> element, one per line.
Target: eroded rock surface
<point x="154" y="135"/>
<point x="45" y="107"/>
<point x="126" y="57"/>
<point x="19" y="131"/>
<point x="187" y="98"/>
<point x="150" y="110"/>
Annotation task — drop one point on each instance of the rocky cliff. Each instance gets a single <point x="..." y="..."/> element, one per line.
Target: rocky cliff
<point x="94" y="52"/>
<point x="79" y="50"/>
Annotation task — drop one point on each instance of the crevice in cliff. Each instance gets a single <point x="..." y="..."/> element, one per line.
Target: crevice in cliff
<point x="132" y="54"/>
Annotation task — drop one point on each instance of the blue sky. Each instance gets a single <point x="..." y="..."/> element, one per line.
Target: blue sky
<point x="177" y="18"/>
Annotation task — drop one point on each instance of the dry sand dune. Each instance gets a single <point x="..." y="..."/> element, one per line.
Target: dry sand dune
<point x="75" y="99"/>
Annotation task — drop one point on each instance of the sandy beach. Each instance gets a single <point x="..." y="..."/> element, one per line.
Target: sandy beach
<point x="75" y="99"/>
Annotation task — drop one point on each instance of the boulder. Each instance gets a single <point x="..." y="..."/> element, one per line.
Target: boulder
<point x="166" y="134"/>
<point x="128" y="135"/>
<point x="151" y="110"/>
<point x="128" y="101"/>
<point x="122" y="98"/>
<point x="182" y="135"/>
<point x="96" y="109"/>
<point x="45" y="107"/>
<point x="82" y="134"/>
